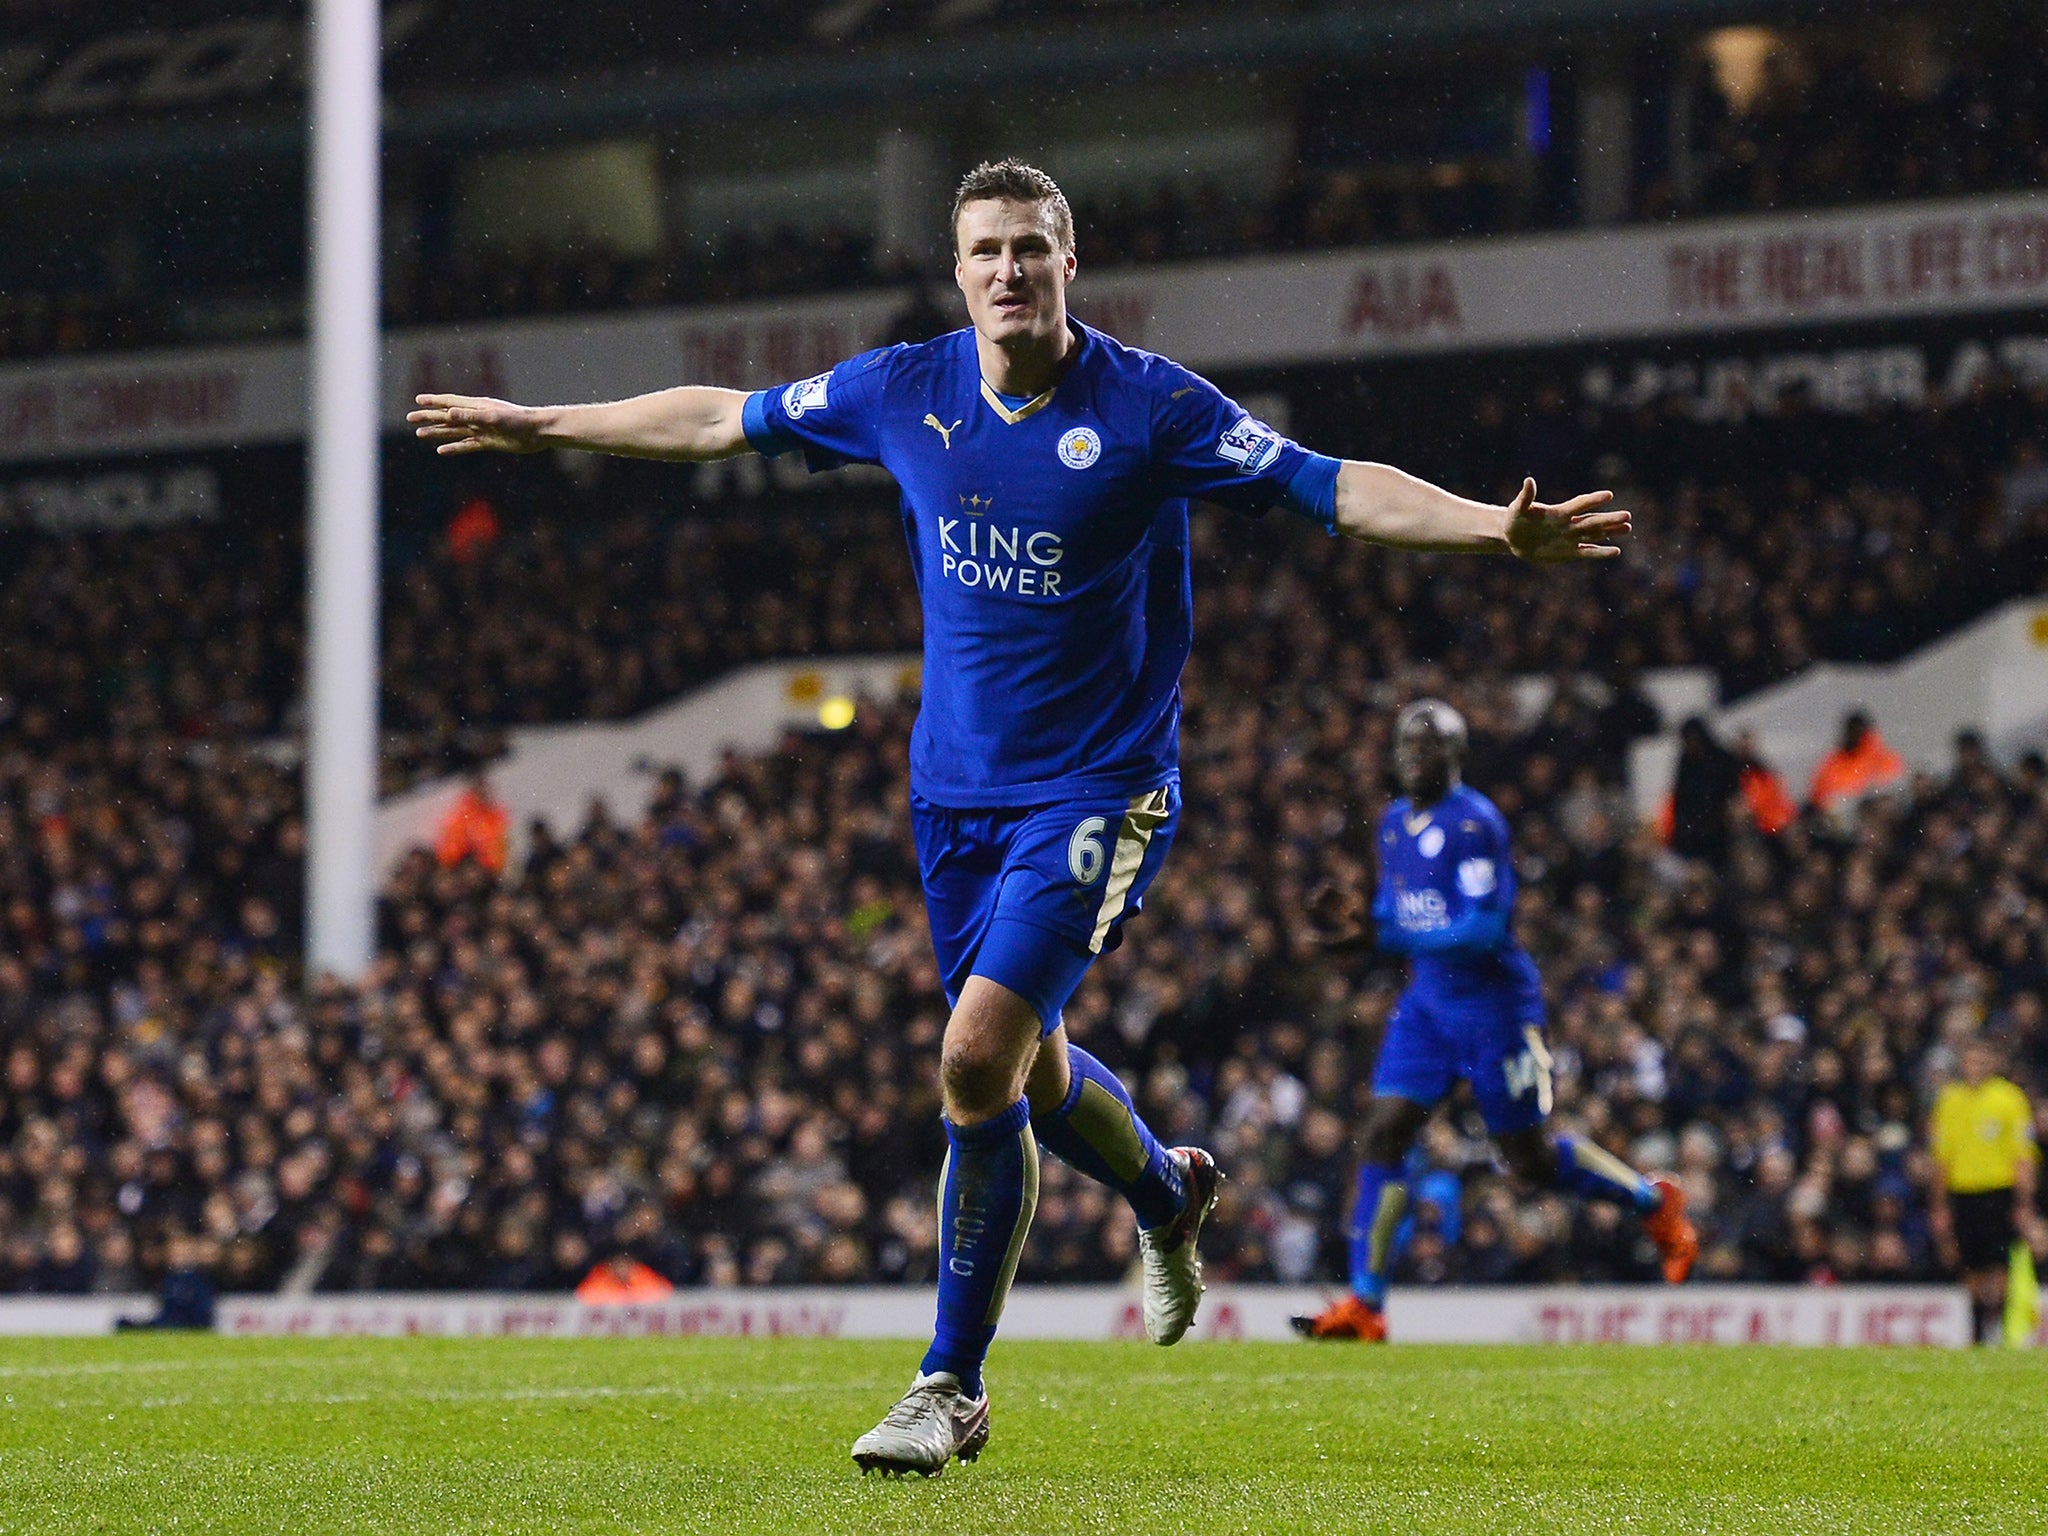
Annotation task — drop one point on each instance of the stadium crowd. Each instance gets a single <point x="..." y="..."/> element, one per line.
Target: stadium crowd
<point x="1779" y="536"/>
<point x="196" y="633"/>
<point x="708" y="1038"/>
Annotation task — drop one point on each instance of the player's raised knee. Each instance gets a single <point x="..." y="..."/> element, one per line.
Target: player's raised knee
<point x="981" y="1071"/>
<point x="1390" y="1127"/>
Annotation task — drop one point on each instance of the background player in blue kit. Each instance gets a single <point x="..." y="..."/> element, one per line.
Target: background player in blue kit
<point x="1045" y="471"/>
<point x="1473" y="1010"/>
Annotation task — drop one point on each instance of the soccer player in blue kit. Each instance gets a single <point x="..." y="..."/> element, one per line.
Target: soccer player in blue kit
<point x="1046" y="471"/>
<point x="1473" y="1010"/>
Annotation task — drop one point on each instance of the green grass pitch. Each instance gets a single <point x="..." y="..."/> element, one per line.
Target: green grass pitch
<point x="170" y="1434"/>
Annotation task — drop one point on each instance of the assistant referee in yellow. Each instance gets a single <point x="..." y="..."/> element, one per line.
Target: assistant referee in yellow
<point x="1982" y="1138"/>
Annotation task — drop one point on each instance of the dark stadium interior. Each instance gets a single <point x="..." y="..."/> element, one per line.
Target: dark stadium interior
<point x="712" y="1034"/>
<point x="709" y="1035"/>
<point x="1789" y="535"/>
<point x="696" y="695"/>
<point x="1266" y="147"/>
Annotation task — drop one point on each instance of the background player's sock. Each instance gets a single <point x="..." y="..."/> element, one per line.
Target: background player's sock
<point x="1375" y="1216"/>
<point x="1098" y="1130"/>
<point x="986" y="1196"/>
<point x="1598" y="1174"/>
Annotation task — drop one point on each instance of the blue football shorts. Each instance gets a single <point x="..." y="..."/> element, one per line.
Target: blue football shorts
<point x="1493" y="1041"/>
<point x="1028" y="898"/>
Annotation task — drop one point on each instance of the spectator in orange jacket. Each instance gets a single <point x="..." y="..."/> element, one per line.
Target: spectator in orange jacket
<point x="1770" y="805"/>
<point x="621" y="1278"/>
<point x="1861" y="765"/>
<point x="472" y="530"/>
<point x="1704" y="767"/>
<point x="477" y="828"/>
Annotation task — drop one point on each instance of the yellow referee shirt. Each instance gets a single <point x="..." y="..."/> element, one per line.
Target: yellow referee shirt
<point x="1981" y="1134"/>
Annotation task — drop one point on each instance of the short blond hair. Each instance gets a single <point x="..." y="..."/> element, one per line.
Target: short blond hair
<point x="1018" y="182"/>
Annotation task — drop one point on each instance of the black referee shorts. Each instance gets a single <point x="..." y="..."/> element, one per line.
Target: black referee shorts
<point x="1984" y="1229"/>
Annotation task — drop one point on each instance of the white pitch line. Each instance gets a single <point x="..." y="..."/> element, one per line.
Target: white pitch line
<point x="506" y="1395"/>
<point x="149" y="1367"/>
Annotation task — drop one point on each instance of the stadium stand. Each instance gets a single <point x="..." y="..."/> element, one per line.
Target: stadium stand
<point x="707" y="1040"/>
<point x="1817" y="115"/>
<point x="1788" y="536"/>
<point x="195" y="633"/>
<point x="704" y="1040"/>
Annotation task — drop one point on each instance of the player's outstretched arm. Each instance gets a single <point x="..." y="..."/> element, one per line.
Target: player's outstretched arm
<point x="1384" y="505"/>
<point x="692" y="422"/>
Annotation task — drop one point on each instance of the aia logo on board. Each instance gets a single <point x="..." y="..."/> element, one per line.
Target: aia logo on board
<point x="1402" y="300"/>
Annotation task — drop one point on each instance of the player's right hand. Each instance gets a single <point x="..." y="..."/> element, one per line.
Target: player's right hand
<point x="475" y="424"/>
<point x="1337" y="914"/>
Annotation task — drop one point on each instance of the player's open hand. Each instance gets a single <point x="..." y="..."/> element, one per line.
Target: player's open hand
<point x="1574" y="530"/>
<point x="1337" y="915"/>
<point x="475" y="424"/>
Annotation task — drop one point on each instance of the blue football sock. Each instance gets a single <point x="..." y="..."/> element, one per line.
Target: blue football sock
<point x="986" y="1196"/>
<point x="1597" y="1174"/>
<point x="1375" y="1216"/>
<point x="1098" y="1130"/>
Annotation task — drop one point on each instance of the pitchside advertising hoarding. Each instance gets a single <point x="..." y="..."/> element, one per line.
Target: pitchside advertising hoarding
<point x="1782" y="272"/>
<point x="1907" y="1315"/>
<point x="1537" y="1315"/>
<point x="1919" y="1316"/>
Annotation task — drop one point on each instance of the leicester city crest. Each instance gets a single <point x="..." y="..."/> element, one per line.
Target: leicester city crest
<point x="1080" y="447"/>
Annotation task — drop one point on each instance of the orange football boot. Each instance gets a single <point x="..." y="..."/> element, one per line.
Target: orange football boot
<point x="1671" y="1232"/>
<point x="1346" y="1319"/>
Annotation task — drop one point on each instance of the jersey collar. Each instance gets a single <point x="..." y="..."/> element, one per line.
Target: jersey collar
<point x="1036" y="403"/>
<point x="1030" y="407"/>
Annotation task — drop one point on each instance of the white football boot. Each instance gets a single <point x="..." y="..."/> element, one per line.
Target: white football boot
<point x="1173" y="1267"/>
<point x="930" y="1424"/>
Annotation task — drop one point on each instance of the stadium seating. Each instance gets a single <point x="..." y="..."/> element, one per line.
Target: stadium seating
<point x="712" y="1032"/>
<point x="1764" y="544"/>
<point x="709" y="1037"/>
<point x="1832" y="125"/>
<point x="196" y="633"/>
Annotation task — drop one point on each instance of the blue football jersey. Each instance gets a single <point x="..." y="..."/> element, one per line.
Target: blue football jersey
<point x="1050" y="543"/>
<point x="1446" y="896"/>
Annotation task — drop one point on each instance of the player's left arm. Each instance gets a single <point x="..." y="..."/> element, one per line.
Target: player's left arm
<point x="1209" y="446"/>
<point x="1385" y="505"/>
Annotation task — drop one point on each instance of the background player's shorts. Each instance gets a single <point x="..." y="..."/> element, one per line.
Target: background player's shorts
<point x="1493" y="1043"/>
<point x="1984" y="1228"/>
<point x="1029" y="898"/>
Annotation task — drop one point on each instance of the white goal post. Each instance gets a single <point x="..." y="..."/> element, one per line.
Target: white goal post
<point x="342" y="486"/>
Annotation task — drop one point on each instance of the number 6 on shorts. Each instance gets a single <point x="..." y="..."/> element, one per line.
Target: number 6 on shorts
<point x="1084" y="850"/>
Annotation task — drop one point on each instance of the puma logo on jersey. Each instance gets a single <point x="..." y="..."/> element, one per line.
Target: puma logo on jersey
<point x="945" y="432"/>
<point x="1179" y="392"/>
